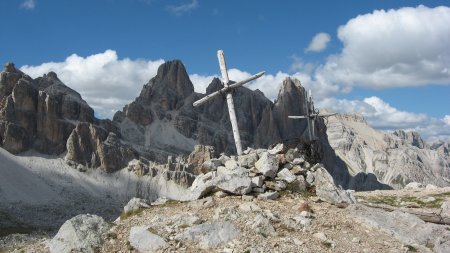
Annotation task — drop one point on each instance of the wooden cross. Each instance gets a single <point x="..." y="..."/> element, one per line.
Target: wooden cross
<point x="227" y="89"/>
<point x="311" y="115"/>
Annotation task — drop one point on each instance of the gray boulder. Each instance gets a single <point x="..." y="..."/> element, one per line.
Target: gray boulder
<point x="82" y="233"/>
<point x="267" y="165"/>
<point x="327" y="190"/>
<point x="145" y="241"/>
<point x="210" y="235"/>
<point x="135" y="204"/>
<point x="231" y="181"/>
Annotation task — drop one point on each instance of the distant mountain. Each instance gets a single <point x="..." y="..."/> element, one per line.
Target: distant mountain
<point x="396" y="159"/>
<point x="162" y="121"/>
<point x="46" y="115"/>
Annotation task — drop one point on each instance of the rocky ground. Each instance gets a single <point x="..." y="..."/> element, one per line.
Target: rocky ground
<point x="292" y="223"/>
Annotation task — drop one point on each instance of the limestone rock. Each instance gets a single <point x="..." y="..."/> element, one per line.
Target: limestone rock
<point x="268" y="195"/>
<point x="92" y="146"/>
<point x="82" y="233"/>
<point x="262" y="226"/>
<point x="392" y="159"/>
<point x="145" y="241"/>
<point x="210" y="235"/>
<point x="199" y="157"/>
<point x="135" y="204"/>
<point x="328" y="191"/>
<point x="38" y="113"/>
<point x="286" y="176"/>
<point x="248" y="160"/>
<point x="267" y="165"/>
<point x="400" y="225"/>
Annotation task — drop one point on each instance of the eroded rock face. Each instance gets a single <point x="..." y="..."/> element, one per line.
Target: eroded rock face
<point x="38" y="113"/>
<point x="93" y="146"/>
<point x="163" y="121"/>
<point x="395" y="159"/>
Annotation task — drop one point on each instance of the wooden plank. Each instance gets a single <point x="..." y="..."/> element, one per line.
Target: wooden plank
<point x="226" y="89"/>
<point x="230" y="103"/>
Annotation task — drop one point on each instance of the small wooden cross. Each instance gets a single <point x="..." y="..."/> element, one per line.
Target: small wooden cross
<point x="311" y="115"/>
<point x="227" y="89"/>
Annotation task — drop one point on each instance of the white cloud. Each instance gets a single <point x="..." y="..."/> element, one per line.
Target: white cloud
<point x="394" y="48"/>
<point x="446" y="119"/>
<point x="318" y="43"/>
<point x="183" y="8"/>
<point x="381" y="115"/>
<point x="106" y="82"/>
<point x="28" y="4"/>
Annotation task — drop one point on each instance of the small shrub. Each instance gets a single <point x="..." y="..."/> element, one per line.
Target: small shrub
<point x="126" y="215"/>
<point x="411" y="248"/>
<point x="327" y="244"/>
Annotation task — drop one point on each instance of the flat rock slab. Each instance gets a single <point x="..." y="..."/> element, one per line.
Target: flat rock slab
<point x="211" y="234"/>
<point x="405" y="227"/>
<point x="145" y="241"/>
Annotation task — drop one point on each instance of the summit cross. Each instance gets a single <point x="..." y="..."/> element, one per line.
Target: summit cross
<point x="228" y="89"/>
<point x="311" y="115"/>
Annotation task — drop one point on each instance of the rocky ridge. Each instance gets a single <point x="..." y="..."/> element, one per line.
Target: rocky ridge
<point x="395" y="159"/>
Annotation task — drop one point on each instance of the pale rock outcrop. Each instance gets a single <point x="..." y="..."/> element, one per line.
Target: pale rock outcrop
<point x="145" y="241"/>
<point x="327" y="190"/>
<point x="135" y="204"/>
<point x="92" y="146"/>
<point x="394" y="159"/>
<point x="82" y="233"/>
<point x="210" y="234"/>
<point x="427" y="237"/>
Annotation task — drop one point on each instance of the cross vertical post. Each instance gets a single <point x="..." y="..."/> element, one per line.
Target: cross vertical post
<point x="230" y="102"/>
<point x="228" y="89"/>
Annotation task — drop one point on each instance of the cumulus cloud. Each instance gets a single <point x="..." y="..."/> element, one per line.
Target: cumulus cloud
<point x="106" y="82"/>
<point x="318" y="43"/>
<point x="446" y="119"/>
<point x="382" y="115"/>
<point x="394" y="48"/>
<point x="181" y="9"/>
<point x="28" y="4"/>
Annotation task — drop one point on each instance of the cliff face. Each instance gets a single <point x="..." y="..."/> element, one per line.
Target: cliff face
<point x="162" y="120"/>
<point x="394" y="158"/>
<point x="38" y="113"/>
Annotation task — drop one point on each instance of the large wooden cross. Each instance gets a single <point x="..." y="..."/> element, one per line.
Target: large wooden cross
<point x="311" y="115"/>
<point x="227" y="89"/>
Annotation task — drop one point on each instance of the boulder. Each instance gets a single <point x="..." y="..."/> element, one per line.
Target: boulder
<point x="268" y="196"/>
<point x="262" y="225"/>
<point x="286" y="176"/>
<point x="135" y="204"/>
<point x="248" y="160"/>
<point x="327" y="190"/>
<point x="267" y="165"/>
<point x="210" y="235"/>
<point x="231" y="181"/>
<point x="82" y="233"/>
<point x="145" y="241"/>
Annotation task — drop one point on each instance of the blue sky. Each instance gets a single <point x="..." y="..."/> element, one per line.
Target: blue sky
<point x="389" y="60"/>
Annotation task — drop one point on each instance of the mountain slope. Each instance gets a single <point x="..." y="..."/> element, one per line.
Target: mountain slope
<point x="395" y="158"/>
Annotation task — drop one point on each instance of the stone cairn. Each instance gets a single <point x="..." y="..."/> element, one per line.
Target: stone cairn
<point x="262" y="173"/>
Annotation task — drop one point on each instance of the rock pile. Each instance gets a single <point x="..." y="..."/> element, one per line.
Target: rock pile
<point x="264" y="173"/>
